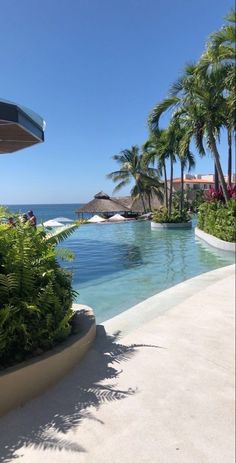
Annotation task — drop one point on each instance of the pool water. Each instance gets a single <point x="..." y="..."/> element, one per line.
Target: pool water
<point x="119" y="265"/>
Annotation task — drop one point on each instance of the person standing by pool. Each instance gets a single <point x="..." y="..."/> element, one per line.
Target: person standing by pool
<point x="32" y="218"/>
<point x="23" y="219"/>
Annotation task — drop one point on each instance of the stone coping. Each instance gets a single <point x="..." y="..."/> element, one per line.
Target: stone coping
<point x="215" y="242"/>
<point x="26" y="380"/>
<point x="162" y="226"/>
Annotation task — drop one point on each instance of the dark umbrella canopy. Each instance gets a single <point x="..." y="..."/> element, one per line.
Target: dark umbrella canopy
<point x="19" y="127"/>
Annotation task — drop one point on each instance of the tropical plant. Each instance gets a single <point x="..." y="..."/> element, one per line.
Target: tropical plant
<point x="197" y="201"/>
<point x="150" y="188"/>
<point x="201" y="104"/>
<point x="177" y="198"/>
<point x="133" y="168"/>
<point x="161" y="147"/>
<point x="184" y="154"/>
<point x="171" y="149"/>
<point x="217" y="195"/>
<point x="35" y="292"/>
<point x="163" y="216"/>
<point x="218" y="219"/>
<point x="155" y="149"/>
<point x="220" y="50"/>
<point x="4" y="212"/>
<point x="220" y="54"/>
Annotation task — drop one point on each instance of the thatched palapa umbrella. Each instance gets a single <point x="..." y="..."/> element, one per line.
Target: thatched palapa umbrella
<point x="103" y="204"/>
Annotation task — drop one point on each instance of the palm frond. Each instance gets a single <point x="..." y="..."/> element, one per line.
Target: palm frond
<point x="121" y="185"/>
<point x="198" y="136"/>
<point x="65" y="254"/>
<point x="159" y="109"/>
<point x="61" y="234"/>
<point x="231" y="16"/>
<point x="118" y="175"/>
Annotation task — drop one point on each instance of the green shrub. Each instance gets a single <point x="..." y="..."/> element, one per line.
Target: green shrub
<point x="198" y="200"/>
<point x="35" y="293"/>
<point x="218" y="219"/>
<point x="162" y="216"/>
<point x="4" y="212"/>
<point x="176" y="201"/>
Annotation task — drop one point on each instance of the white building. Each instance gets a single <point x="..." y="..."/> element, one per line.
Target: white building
<point x="198" y="182"/>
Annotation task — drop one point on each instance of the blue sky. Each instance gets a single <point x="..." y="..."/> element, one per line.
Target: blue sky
<point x="93" y="69"/>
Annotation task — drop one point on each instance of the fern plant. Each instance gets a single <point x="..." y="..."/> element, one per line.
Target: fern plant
<point x="35" y="292"/>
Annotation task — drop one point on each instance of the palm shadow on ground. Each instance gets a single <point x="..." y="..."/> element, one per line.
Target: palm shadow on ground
<point x="44" y="422"/>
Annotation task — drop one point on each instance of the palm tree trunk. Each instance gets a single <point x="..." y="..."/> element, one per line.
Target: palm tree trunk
<point x="182" y="188"/>
<point x="229" y="157"/>
<point x="149" y="203"/>
<point x="216" y="178"/>
<point x="218" y="165"/>
<point x="171" y="184"/>
<point x="165" y="186"/>
<point x="141" y="196"/>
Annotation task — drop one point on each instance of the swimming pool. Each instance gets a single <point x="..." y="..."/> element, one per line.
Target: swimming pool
<point x="119" y="265"/>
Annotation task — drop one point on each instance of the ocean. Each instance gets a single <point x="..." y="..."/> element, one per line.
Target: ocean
<point x="45" y="212"/>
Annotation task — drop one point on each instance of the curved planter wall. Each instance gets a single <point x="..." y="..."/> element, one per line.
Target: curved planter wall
<point x="161" y="226"/>
<point x="215" y="242"/>
<point x="23" y="382"/>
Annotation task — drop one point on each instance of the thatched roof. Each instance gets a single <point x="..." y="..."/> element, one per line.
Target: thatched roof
<point x="137" y="205"/>
<point x="101" y="195"/>
<point x="104" y="204"/>
<point x="125" y="200"/>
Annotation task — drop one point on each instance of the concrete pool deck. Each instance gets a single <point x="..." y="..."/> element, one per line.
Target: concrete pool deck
<point x="161" y="392"/>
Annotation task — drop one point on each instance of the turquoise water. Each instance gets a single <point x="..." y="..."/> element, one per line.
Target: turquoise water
<point x="119" y="265"/>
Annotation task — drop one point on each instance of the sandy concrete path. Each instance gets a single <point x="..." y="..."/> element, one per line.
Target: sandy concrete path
<point x="162" y="393"/>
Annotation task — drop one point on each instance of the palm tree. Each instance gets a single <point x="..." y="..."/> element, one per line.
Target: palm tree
<point x="229" y="137"/>
<point x="184" y="155"/>
<point x="171" y="146"/>
<point x="221" y="45"/>
<point x="132" y="168"/>
<point x="201" y="100"/>
<point x="164" y="148"/>
<point x="220" y="53"/>
<point x="149" y="188"/>
<point x="154" y="149"/>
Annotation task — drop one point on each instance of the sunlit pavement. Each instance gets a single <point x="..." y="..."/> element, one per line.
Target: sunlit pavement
<point x="161" y="392"/>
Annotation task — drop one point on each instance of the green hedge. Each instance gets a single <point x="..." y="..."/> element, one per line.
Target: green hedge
<point x="218" y="219"/>
<point x="162" y="216"/>
<point x="35" y="294"/>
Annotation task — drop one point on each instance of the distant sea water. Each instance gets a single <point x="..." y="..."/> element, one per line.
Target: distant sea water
<point x="45" y="212"/>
